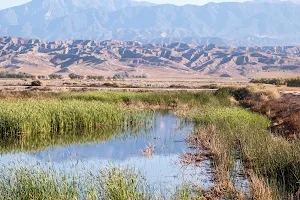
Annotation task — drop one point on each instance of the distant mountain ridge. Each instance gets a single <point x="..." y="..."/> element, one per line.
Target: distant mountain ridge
<point x="228" y="24"/>
<point x="88" y="57"/>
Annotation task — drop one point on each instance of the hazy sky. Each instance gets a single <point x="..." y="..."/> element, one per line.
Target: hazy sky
<point x="183" y="2"/>
<point x="11" y="3"/>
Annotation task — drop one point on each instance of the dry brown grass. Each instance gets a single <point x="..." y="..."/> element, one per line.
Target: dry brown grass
<point x="285" y="113"/>
<point x="223" y="187"/>
<point x="259" y="188"/>
<point x="194" y="158"/>
<point x="148" y="151"/>
<point x="265" y="90"/>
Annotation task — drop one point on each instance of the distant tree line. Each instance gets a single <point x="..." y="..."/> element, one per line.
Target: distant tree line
<point x="75" y="76"/>
<point x="55" y="76"/>
<point x="123" y="75"/>
<point x="99" y="78"/>
<point x="291" y="82"/>
<point x="15" y="75"/>
<point x="21" y="75"/>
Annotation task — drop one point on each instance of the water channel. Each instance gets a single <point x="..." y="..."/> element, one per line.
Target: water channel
<point x="162" y="170"/>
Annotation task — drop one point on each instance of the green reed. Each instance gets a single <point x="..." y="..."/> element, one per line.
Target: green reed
<point x="272" y="157"/>
<point x="37" y="183"/>
<point x="235" y="128"/>
<point x="148" y="98"/>
<point x="20" y="118"/>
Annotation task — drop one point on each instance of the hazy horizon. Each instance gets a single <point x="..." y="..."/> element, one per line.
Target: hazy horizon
<point x="12" y="3"/>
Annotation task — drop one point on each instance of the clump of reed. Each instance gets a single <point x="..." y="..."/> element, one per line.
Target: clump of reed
<point x="239" y="131"/>
<point x="36" y="182"/>
<point x="123" y="184"/>
<point x="166" y="99"/>
<point x="20" y="118"/>
<point x="26" y="183"/>
<point x="40" y="183"/>
<point x="162" y="99"/>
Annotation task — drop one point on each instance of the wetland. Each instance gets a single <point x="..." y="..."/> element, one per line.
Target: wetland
<point x="141" y="145"/>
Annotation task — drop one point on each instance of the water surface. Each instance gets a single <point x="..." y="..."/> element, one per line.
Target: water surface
<point x="162" y="170"/>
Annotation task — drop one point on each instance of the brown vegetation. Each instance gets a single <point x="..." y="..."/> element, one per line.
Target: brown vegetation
<point x="149" y="150"/>
<point x="223" y="187"/>
<point x="285" y="113"/>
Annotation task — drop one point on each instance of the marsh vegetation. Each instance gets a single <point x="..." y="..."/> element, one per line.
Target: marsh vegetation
<point x="224" y="132"/>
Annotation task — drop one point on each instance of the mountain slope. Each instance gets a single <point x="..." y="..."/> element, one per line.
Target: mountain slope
<point x="89" y="57"/>
<point x="233" y="24"/>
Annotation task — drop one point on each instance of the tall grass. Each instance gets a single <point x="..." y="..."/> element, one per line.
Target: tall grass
<point x="236" y="131"/>
<point x="23" y="118"/>
<point x="111" y="183"/>
<point x="33" y="120"/>
<point x="148" y="98"/>
<point x="240" y="131"/>
<point x="39" y="183"/>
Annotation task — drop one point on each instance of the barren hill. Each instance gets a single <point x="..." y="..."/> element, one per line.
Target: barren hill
<point x="106" y="58"/>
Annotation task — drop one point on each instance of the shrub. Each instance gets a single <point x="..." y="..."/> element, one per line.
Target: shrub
<point x="121" y="75"/>
<point x="95" y="77"/>
<point x="238" y="93"/>
<point x="42" y="77"/>
<point x="15" y="75"/>
<point x="291" y="82"/>
<point x="75" y="76"/>
<point x="55" y="76"/>
<point x="36" y="83"/>
<point x="115" y="85"/>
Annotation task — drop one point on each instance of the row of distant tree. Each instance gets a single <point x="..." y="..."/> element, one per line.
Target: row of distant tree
<point x="21" y="75"/>
<point x="15" y="75"/>
<point x="291" y="82"/>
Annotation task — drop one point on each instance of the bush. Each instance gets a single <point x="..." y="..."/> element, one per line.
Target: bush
<point x="291" y="82"/>
<point x="238" y="93"/>
<point x="100" y="78"/>
<point x="75" y="76"/>
<point x="42" y="77"/>
<point x="15" y="75"/>
<point x="121" y="75"/>
<point x="36" y="83"/>
<point x="115" y="85"/>
<point x="55" y="76"/>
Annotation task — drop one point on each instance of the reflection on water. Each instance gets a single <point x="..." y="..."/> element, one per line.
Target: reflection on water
<point x="162" y="170"/>
<point x="239" y="178"/>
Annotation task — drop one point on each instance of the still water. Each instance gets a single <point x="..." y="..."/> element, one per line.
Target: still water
<point x="162" y="170"/>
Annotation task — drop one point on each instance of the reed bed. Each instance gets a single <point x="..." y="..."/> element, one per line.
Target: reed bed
<point x="147" y="98"/>
<point x="238" y="132"/>
<point x="39" y="183"/>
<point x="169" y="99"/>
<point x="20" y="118"/>
<point x="35" y="182"/>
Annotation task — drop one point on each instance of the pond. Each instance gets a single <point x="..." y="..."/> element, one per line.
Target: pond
<point x="162" y="170"/>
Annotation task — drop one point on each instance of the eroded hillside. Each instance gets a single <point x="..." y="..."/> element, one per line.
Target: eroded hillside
<point x="108" y="57"/>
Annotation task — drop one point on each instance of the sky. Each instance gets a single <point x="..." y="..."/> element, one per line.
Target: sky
<point x="10" y="3"/>
<point x="195" y="2"/>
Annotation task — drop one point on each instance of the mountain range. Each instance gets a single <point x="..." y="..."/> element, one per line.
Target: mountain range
<point x="106" y="58"/>
<point x="257" y="23"/>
